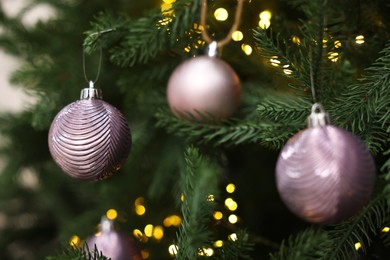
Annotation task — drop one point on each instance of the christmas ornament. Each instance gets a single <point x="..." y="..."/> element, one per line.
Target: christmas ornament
<point x="113" y="244"/>
<point x="89" y="139"/>
<point x="204" y="88"/>
<point x="325" y="174"/>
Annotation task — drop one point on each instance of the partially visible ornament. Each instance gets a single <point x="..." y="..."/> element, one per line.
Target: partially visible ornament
<point x="325" y="174"/>
<point x="113" y="244"/>
<point x="89" y="139"/>
<point x="204" y="88"/>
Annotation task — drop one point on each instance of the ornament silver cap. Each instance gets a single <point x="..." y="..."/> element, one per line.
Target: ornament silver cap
<point x="91" y="92"/>
<point x="318" y="116"/>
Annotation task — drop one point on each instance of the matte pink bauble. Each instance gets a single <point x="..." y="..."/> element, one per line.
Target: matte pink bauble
<point x="114" y="244"/>
<point x="325" y="174"/>
<point x="205" y="86"/>
<point x="89" y="139"/>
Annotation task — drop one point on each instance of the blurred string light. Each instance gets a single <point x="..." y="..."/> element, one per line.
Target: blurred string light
<point x="233" y="237"/>
<point x="218" y="243"/>
<point x="237" y="36"/>
<point x="75" y="241"/>
<point x="337" y="44"/>
<point x="221" y="14"/>
<point x="173" y="220"/>
<point x="111" y="214"/>
<point x="230" y="188"/>
<point x="166" y="6"/>
<point x="385" y="229"/>
<point x="233" y="219"/>
<point x="206" y="251"/>
<point x="358" y="245"/>
<point x="139" y="207"/>
<point x="265" y="19"/>
<point x="247" y="49"/>
<point x="359" y="39"/>
<point x="333" y="56"/>
<point x="275" y="61"/>
<point x="173" y="249"/>
<point x="295" y="39"/>
<point x="218" y="215"/>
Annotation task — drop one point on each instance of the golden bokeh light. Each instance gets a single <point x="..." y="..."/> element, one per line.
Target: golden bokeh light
<point x="230" y="188"/>
<point x="233" y="219"/>
<point x="140" y="210"/>
<point x="358" y="245"/>
<point x="148" y="230"/>
<point x="237" y="36"/>
<point x="206" y="251"/>
<point x="359" y="39"/>
<point x="112" y="214"/>
<point x="265" y="15"/>
<point x="296" y="40"/>
<point x="264" y="24"/>
<point x="233" y="237"/>
<point x="173" y="220"/>
<point x="145" y="254"/>
<point x="158" y="232"/>
<point x="218" y="243"/>
<point x="337" y="44"/>
<point x="287" y="70"/>
<point x="221" y="14"/>
<point x="210" y="197"/>
<point x="218" y="215"/>
<point x="172" y="249"/>
<point x="274" y="61"/>
<point x="247" y="49"/>
<point x="75" y="241"/>
<point x="333" y="56"/>
<point x="385" y="229"/>
<point x="169" y="1"/>
<point x="139" y="201"/>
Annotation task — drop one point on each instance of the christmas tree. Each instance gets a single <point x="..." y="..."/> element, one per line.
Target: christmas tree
<point x="196" y="185"/>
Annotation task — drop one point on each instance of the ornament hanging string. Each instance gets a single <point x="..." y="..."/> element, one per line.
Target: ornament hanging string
<point x="234" y="27"/>
<point x="99" y="66"/>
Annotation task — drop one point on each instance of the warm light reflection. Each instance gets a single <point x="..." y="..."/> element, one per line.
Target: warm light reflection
<point x="221" y="14"/>
<point x="237" y="36"/>
<point x="233" y="219"/>
<point x="287" y="70"/>
<point x="169" y="1"/>
<point x="337" y="44"/>
<point x="386" y="229"/>
<point x="75" y="241"/>
<point x="112" y="214"/>
<point x="230" y="188"/>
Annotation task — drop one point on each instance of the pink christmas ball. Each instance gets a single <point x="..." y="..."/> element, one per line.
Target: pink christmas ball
<point x="89" y="139"/>
<point x="115" y="245"/>
<point x="325" y="174"/>
<point x="203" y="85"/>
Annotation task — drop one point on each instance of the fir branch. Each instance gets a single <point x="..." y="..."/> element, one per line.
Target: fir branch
<point x="237" y="249"/>
<point x="272" y="135"/>
<point x="308" y="244"/>
<point x="286" y="109"/>
<point x="141" y="40"/>
<point x="367" y="223"/>
<point x="364" y="107"/>
<point x="198" y="182"/>
<point x="78" y="253"/>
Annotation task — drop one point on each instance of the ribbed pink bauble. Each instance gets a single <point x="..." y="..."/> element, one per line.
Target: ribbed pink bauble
<point x="325" y="174"/>
<point x="204" y="85"/>
<point x="89" y="139"/>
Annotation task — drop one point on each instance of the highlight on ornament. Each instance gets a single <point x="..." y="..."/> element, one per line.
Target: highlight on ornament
<point x="89" y="139"/>
<point x="325" y="174"/>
